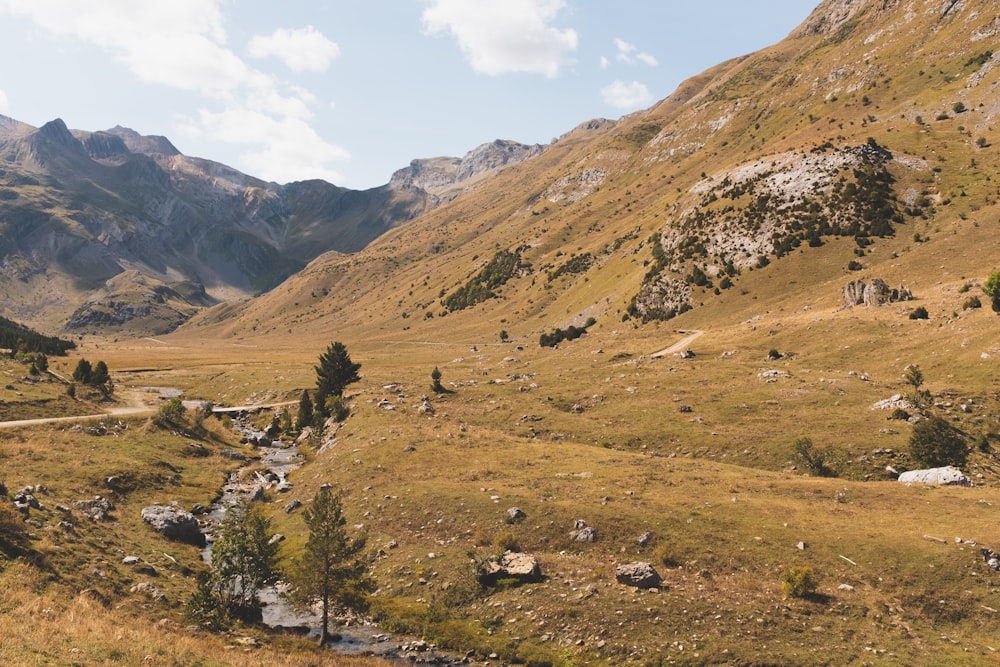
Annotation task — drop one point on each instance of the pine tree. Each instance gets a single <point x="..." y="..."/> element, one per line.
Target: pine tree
<point x="305" y="415"/>
<point x="334" y="372"/>
<point x="330" y="570"/>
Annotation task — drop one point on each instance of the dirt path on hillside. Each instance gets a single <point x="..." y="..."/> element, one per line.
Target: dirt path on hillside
<point x="679" y="345"/>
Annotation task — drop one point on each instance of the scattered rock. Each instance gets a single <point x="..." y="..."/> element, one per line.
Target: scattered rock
<point x="514" y="515"/>
<point x="638" y="575"/>
<point x="25" y="498"/>
<point x="894" y="402"/>
<point x="277" y="537"/>
<point x="645" y="539"/>
<point x="292" y="506"/>
<point x="946" y="476"/>
<point x="174" y="523"/>
<point x="992" y="558"/>
<point x="150" y="590"/>
<point x="426" y="408"/>
<point x="97" y="509"/>
<point x="585" y="534"/>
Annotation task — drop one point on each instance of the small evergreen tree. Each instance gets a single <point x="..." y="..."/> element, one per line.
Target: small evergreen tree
<point x="305" y="415"/>
<point x="334" y="372"/>
<point x="83" y="372"/>
<point x="330" y="570"/>
<point x="436" y="385"/>
<point x="913" y="376"/>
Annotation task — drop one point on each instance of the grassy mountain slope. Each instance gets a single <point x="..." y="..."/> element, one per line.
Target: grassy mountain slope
<point x="619" y="430"/>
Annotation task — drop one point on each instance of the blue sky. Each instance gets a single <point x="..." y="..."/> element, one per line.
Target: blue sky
<point x="349" y="91"/>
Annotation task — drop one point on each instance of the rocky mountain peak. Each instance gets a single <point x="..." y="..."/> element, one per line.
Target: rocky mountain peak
<point x="152" y="145"/>
<point x="55" y="131"/>
<point x="447" y="177"/>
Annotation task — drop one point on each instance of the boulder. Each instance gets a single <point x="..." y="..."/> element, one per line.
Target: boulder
<point x="876" y="293"/>
<point x="638" y="575"/>
<point x="514" y="515"/>
<point x="522" y="567"/>
<point x="947" y="476"/>
<point x="585" y="534"/>
<point x="174" y="523"/>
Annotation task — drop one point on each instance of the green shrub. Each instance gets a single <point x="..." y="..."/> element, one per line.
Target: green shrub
<point x="919" y="313"/>
<point x="971" y="303"/>
<point x="171" y="412"/>
<point x="813" y="459"/>
<point x="935" y="443"/>
<point x="992" y="289"/>
<point x="798" y="581"/>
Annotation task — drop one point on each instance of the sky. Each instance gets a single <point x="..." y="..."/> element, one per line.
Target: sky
<point x="348" y="90"/>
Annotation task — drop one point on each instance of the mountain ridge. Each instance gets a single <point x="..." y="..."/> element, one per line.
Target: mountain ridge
<point x="79" y="208"/>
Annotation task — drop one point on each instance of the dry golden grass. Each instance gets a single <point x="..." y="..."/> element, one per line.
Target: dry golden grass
<point x="594" y="430"/>
<point x="49" y="624"/>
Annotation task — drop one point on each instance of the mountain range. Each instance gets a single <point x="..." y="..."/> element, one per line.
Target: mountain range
<point x="115" y="231"/>
<point x="869" y="121"/>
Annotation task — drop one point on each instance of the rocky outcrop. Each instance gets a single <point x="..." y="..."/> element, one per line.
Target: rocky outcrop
<point x="174" y="523"/>
<point x="875" y="293"/>
<point x="947" y="476"/>
<point x="582" y="532"/>
<point x="446" y="177"/>
<point x="638" y="575"/>
<point x="96" y="509"/>
<point x="522" y="567"/>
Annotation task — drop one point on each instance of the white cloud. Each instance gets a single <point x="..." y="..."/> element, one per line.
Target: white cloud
<point x="182" y="44"/>
<point x="623" y="95"/>
<point x="504" y="36"/>
<point x="605" y="62"/>
<point x="302" y="50"/>
<point x="629" y="54"/>
<point x="647" y="59"/>
<point x="281" y="149"/>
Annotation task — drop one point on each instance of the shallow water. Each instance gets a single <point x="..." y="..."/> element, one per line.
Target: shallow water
<point x="282" y="458"/>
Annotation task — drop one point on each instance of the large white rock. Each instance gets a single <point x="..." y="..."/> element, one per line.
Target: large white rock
<point x="947" y="476"/>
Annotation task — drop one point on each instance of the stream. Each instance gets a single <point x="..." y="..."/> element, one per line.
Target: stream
<point x="279" y="459"/>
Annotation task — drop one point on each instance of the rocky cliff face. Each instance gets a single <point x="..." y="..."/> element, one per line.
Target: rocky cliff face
<point x="447" y="177"/>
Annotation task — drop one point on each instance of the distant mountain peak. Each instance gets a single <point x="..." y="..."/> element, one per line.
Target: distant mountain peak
<point x="447" y="177"/>
<point x="147" y="144"/>
<point x="57" y="132"/>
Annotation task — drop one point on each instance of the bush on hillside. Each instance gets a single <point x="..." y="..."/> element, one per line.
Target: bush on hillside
<point x="992" y="289"/>
<point x="798" y="581"/>
<point x="935" y="443"/>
